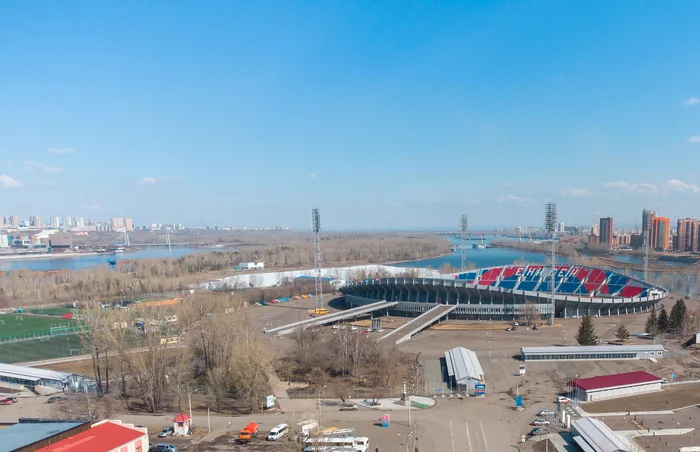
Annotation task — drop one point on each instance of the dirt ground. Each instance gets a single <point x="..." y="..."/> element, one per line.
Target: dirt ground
<point x="498" y="351"/>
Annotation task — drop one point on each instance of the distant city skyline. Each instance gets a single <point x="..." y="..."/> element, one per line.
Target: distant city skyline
<point x="385" y="116"/>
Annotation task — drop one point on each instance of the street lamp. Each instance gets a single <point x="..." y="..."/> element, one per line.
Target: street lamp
<point x="488" y="338"/>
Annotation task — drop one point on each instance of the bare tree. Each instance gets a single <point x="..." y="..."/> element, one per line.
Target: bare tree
<point x="383" y="369"/>
<point x="530" y="314"/>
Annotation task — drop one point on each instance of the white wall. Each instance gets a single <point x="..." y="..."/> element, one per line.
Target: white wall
<point x="620" y="392"/>
<point x="275" y="278"/>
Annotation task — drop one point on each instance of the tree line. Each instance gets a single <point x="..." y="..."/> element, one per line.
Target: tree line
<point x="154" y="358"/>
<point x="680" y="323"/>
<point x="137" y="278"/>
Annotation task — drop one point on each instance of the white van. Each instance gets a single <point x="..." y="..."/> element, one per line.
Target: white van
<point x="278" y="432"/>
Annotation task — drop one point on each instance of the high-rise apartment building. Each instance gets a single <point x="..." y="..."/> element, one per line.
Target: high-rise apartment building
<point x="79" y="221"/>
<point x="660" y="233"/>
<point x="55" y="222"/>
<point x="14" y="221"/>
<point x="35" y="221"/>
<point x="117" y="223"/>
<point x="688" y="231"/>
<point x="607" y="236"/>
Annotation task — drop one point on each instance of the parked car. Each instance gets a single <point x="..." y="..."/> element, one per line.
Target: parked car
<point x="278" y="432"/>
<point x="539" y="431"/>
<point x="348" y="407"/>
<point x="56" y="399"/>
<point x="5" y="402"/>
<point x="353" y="328"/>
<point x="509" y="329"/>
<point x="563" y="400"/>
<point x="167" y="431"/>
<point x="163" y="447"/>
<point x="540" y="422"/>
<point x="546" y="413"/>
<point x="12" y="399"/>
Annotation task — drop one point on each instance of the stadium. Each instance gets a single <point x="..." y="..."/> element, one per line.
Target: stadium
<point x="501" y="293"/>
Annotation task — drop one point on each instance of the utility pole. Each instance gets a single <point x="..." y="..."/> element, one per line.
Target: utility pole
<point x="189" y="402"/>
<point x="550" y="224"/>
<point x="463" y="224"/>
<point x="408" y="400"/>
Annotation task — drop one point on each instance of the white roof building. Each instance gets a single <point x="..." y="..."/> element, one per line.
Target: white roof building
<point x="463" y="366"/>
<point x="30" y="376"/>
<point x="592" y="435"/>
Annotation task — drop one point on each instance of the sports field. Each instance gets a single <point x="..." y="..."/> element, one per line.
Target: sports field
<point x="22" y="326"/>
<point x="29" y="338"/>
<point x="54" y="347"/>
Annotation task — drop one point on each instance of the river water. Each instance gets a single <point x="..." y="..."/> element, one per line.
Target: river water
<point x="488" y="257"/>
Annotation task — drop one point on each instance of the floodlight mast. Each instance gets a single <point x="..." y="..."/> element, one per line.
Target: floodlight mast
<point x="316" y="228"/>
<point x="463" y="224"/>
<point x="550" y="225"/>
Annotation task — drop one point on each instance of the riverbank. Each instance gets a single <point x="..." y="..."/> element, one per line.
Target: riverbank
<point x="13" y="257"/>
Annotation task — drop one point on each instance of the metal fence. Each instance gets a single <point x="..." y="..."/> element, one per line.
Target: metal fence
<point x="53" y="332"/>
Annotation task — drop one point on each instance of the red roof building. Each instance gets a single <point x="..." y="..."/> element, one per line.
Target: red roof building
<point x="181" y="418"/>
<point x="182" y="425"/>
<point x="105" y="436"/>
<point x="616" y="385"/>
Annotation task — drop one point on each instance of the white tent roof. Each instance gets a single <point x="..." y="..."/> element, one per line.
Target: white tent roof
<point x="598" y="436"/>
<point x="463" y="365"/>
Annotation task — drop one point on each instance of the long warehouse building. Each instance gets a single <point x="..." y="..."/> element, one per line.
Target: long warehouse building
<point x="592" y="352"/>
<point x="617" y="385"/>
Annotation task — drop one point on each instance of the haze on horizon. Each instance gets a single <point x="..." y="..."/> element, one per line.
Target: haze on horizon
<point x="384" y="115"/>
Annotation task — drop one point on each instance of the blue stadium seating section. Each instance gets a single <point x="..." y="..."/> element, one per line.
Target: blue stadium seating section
<point x="568" y="280"/>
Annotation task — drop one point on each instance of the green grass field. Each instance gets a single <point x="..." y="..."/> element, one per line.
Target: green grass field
<point x="22" y="325"/>
<point x="55" y="347"/>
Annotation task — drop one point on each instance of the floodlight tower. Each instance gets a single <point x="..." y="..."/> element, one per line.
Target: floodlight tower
<point x="646" y="229"/>
<point x="316" y="228"/>
<point x="463" y="224"/>
<point x="550" y="224"/>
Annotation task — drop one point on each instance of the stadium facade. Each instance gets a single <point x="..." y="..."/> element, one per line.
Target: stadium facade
<point x="503" y="292"/>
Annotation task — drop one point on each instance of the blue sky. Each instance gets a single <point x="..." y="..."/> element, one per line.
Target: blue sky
<point x="386" y="115"/>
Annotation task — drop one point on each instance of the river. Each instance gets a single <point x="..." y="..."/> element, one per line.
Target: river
<point x="487" y="257"/>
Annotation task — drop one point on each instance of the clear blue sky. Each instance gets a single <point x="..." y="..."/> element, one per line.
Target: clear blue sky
<point x="383" y="114"/>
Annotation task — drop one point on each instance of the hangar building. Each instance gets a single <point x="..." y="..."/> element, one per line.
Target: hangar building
<point x="616" y="385"/>
<point x="463" y="368"/>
